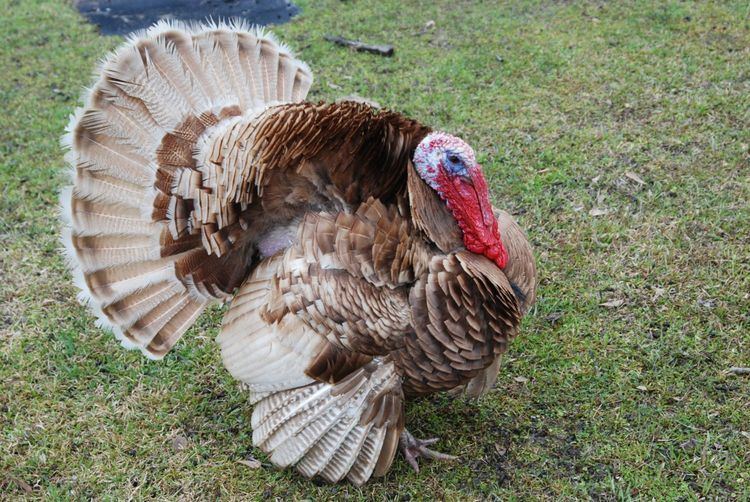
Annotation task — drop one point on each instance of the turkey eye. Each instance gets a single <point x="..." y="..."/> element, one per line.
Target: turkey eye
<point x="454" y="159"/>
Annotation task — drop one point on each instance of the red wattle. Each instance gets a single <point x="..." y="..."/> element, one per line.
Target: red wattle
<point x="468" y="200"/>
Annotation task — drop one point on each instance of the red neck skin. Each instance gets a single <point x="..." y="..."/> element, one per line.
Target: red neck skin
<point x="468" y="200"/>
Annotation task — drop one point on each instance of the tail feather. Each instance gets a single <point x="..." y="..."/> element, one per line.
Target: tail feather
<point x="127" y="311"/>
<point x="109" y="250"/>
<point x="249" y="58"/>
<point x="269" y="60"/>
<point x="181" y="43"/>
<point x="134" y="242"/>
<point x="100" y="153"/>
<point x="153" y="93"/>
<point x="210" y="56"/>
<point x="108" y="190"/>
<point x="175" y="311"/>
<point x="114" y="283"/>
<point x="93" y="217"/>
<point x="126" y="118"/>
<point x="178" y="322"/>
<point x="168" y="62"/>
<point x="226" y="54"/>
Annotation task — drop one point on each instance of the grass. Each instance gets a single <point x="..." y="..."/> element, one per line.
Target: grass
<point x="636" y="110"/>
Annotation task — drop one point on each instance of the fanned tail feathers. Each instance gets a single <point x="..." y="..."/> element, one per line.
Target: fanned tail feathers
<point x="138" y="254"/>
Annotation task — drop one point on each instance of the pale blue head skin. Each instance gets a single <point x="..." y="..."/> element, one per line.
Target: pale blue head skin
<point x="440" y="153"/>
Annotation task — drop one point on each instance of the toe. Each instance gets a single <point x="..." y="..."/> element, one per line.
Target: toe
<point x="411" y="457"/>
<point x="436" y="455"/>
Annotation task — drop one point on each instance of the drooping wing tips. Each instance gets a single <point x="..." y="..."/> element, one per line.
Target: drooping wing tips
<point x="135" y="249"/>
<point x="350" y="429"/>
<point x="328" y="411"/>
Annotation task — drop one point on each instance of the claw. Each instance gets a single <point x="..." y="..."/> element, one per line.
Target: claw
<point x="413" y="448"/>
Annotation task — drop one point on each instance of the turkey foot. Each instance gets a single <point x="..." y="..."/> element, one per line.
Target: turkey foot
<point x="413" y="448"/>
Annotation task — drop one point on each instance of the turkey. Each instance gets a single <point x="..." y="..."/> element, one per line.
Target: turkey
<point x="359" y="251"/>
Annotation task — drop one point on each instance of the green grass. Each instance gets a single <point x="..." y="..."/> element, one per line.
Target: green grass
<point x="561" y="101"/>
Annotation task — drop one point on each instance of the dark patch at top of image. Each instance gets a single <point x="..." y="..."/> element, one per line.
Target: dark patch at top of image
<point x="119" y="17"/>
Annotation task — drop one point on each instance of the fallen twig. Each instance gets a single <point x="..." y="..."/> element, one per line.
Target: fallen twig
<point x="382" y="50"/>
<point x="736" y="370"/>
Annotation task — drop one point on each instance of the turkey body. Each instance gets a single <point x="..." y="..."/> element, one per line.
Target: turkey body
<point x="200" y="175"/>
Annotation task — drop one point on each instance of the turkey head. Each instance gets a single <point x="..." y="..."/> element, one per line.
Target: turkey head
<point x="448" y="165"/>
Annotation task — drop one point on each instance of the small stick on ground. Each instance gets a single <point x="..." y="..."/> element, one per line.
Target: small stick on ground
<point x="382" y="50"/>
<point x="735" y="370"/>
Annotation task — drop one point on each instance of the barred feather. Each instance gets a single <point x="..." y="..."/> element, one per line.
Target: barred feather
<point x="119" y="211"/>
<point x="199" y="175"/>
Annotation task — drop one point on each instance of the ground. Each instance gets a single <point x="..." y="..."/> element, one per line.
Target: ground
<point x="616" y="132"/>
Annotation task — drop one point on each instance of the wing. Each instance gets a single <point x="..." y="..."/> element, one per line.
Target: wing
<point x="464" y="314"/>
<point x="322" y="199"/>
<point x="330" y="333"/>
<point x="440" y="356"/>
<point x="186" y="169"/>
<point x="370" y="284"/>
<point x="322" y="307"/>
<point x="347" y="276"/>
<point x="521" y="274"/>
<point x="301" y="333"/>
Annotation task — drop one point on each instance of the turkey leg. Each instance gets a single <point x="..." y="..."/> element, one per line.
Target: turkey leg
<point x="413" y="448"/>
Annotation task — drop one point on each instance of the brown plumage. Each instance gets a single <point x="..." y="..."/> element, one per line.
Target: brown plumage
<point x="355" y="281"/>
